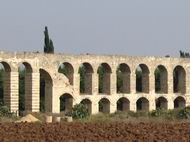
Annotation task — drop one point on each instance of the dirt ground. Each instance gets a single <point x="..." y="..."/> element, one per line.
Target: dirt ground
<point x="94" y="132"/>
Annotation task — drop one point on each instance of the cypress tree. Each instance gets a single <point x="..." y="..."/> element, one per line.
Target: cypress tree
<point x="48" y="43"/>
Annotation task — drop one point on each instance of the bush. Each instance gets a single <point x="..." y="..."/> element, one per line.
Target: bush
<point x="79" y="111"/>
<point x="5" y="111"/>
<point x="158" y="112"/>
<point x="141" y="114"/>
<point x="119" y="115"/>
<point x="184" y="113"/>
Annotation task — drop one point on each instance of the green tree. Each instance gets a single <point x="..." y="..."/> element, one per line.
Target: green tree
<point x="79" y="111"/>
<point x="184" y="54"/>
<point x="48" y="43"/>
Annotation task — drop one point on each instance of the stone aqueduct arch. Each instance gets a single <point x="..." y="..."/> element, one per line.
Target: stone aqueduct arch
<point x="173" y="75"/>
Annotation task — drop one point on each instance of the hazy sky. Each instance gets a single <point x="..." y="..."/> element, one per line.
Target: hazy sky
<point x="131" y="27"/>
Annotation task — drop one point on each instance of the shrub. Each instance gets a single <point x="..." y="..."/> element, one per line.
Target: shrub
<point x="158" y="112"/>
<point x="79" y="111"/>
<point x="119" y="115"/>
<point x="141" y="114"/>
<point x="184" y="113"/>
<point x="5" y="111"/>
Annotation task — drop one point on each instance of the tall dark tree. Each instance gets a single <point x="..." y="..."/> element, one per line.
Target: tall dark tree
<point x="48" y="43"/>
<point x="184" y="54"/>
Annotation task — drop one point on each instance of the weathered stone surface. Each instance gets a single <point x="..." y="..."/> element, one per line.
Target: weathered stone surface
<point x="58" y="84"/>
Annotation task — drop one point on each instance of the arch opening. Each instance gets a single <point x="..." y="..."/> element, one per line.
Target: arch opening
<point x="161" y="103"/>
<point x="104" y="105"/>
<point x="123" y="104"/>
<point x="67" y="69"/>
<point x="142" y="79"/>
<point x="88" y="104"/>
<point x="179" y="102"/>
<point x="25" y="87"/>
<point x="142" y="104"/>
<point x="161" y="79"/>
<point x="66" y="103"/>
<point x="46" y="84"/>
<point x="104" y="73"/>
<point x="123" y="78"/>
<point x="5" y="85"/>
<point x="86" y="72"/>
<point x="179" y="80"/>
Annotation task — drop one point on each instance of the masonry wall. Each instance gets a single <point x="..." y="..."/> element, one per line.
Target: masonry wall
<point x="61" y="85"/>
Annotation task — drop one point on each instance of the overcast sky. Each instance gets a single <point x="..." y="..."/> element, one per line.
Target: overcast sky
<point x="128" y="27"/>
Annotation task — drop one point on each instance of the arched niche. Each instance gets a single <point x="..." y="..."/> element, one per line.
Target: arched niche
<point x="142" y="104"/>
<point x="142" y="79"/>
<point x="86" y="72"/>
<point x="104" y="74"/>
<point x="67" y="69"/>
<point x="161" y="79"/>
<point x="179" y="80"/>
<point x="46" y="85"/>
<point x="123" y="78"/>
<point x="123" y="104"/>
<point x="104" y="105"/>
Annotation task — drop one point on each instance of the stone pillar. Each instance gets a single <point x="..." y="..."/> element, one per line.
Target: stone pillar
<point x="151" y="84"/>
<point x="187" y="101"/>
<point x="152" y="105"/>
<point x="95" y="108"/>
<point x="113" y="83"/>
<point x="133" y="83"/>
<point x="32" y="93"/>
<point x="170" y="81"/>
<point x="113" y="107"/>
<point x="133" y="105"/>
<point x="95" y="83"/>
<point x="76" y="83"/>
<point x="170" y="103"/>
<point x="54" y="101"/>
<point x="11" y="90"/>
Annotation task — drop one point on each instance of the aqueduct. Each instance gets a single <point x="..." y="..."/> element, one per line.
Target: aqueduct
<point x="171" y="91"/>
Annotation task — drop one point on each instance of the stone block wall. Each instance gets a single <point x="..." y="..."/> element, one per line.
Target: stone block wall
<point x="58" y="84"/>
